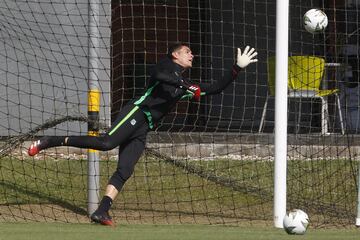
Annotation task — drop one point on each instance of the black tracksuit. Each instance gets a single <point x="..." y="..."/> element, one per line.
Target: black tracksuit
<point x="165" y="88"/>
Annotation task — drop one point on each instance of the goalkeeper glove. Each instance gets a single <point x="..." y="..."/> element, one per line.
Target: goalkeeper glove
<point x="196" y="91"/>
<point x="246" y="57"/>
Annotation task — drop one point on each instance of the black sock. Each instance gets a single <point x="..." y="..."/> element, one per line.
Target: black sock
<point x="54" y="141"/>
<point x="105" y="204"/>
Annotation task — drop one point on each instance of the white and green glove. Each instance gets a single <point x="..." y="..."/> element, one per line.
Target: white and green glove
<point x="246" y="57"/>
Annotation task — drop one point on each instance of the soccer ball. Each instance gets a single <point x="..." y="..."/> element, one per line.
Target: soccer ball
<point x="315" y="21"/>
<point x="296" y="221"/>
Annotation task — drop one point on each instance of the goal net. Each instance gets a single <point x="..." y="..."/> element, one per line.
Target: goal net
<point x="209" y="162"/>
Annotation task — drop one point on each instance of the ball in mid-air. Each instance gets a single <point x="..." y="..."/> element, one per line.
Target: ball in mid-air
<point x="315" y="21"/>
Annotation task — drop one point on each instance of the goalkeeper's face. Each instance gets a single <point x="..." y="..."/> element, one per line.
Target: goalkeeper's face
<point x="183" y="57"/>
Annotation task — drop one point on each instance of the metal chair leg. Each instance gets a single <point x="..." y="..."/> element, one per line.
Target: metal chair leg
<point x="324" y="115"/>
<point x="297" y="124"/>
<point x="263" y="115"/>
<point x="340" y="114"/>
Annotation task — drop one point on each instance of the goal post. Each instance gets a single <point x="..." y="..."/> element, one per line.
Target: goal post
<point x="93" y="106"/>
<point x="357" y="220"/>
<point x="281" y="111"/>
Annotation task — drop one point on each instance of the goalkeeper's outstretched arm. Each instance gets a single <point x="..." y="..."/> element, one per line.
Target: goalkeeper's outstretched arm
<point x="242" y="61"/>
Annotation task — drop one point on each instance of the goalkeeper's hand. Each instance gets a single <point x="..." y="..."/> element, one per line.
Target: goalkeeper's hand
<point x="196" y="91"/>
<point x="246" y="57"/>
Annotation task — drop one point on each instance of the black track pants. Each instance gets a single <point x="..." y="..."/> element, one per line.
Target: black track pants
<point x="129" y="133"/>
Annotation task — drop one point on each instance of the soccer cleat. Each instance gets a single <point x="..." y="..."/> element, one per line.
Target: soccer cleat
<point x="37" y="146"/>
<point x="102" y="218"/>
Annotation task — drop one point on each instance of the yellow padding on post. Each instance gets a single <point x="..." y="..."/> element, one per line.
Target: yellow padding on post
<point x="93" y="133"/>
<point x="94" y="100"/>
<point x="93" y="106"/>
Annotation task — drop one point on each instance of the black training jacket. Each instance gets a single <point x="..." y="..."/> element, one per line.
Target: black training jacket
<point x="166" y="87"/>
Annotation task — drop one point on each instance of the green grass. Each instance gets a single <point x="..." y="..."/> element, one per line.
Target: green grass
<point x="52" y="231"/>
<point x="217" y="191"/>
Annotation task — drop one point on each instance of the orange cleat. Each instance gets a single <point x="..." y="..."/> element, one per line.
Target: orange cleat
<point x="34" y="148"/>
<point x="102" y="218"/>
<point x="37" y="146"/>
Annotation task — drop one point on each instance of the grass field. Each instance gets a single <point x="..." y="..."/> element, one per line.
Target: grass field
<point x="55" y="231"/>
<point x="221" y="191"/>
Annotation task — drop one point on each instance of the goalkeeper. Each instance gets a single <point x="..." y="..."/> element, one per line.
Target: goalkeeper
<point x="165" y="88"/>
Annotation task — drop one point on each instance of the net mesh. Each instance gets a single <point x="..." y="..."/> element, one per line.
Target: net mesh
<point x="209" y="162"/>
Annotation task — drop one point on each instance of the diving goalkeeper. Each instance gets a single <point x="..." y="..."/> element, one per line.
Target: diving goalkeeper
<point x="165" y="88"/>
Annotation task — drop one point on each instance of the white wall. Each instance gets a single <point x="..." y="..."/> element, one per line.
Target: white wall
<point x="44" y="64"/>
